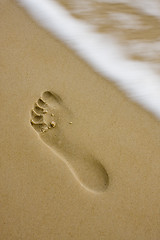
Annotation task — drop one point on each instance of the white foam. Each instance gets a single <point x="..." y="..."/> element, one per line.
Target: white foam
<point x="151" y="7"/>
<point x="103" y="52"/>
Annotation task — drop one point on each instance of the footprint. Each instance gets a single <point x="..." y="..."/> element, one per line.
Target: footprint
<point x="51" y="120"/>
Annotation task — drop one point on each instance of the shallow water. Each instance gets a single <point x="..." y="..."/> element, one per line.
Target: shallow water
<point x="119" y="39"/>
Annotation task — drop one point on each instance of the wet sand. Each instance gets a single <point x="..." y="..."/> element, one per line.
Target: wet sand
<point x="40" y="197"/>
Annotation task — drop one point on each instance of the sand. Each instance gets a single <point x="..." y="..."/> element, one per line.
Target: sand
<point x="46" y="190"/>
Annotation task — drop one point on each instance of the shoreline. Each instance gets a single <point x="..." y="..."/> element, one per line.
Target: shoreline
<point x="116" y="56"/>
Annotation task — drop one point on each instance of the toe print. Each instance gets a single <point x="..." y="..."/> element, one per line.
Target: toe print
<point x="41" y="103"/>
<point x="48" y="117"/>
<point x="39" y="127"/>
<point x="35" y="117"/>
<point x="51" y="97"/>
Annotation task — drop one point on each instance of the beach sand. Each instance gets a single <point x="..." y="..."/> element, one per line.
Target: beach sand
<point x="40" y="198"/>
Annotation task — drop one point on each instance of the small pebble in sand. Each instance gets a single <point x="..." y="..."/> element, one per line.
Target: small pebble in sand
<point x="53" y="124"/>
<point x="52" y="114"/>
<point x="70" y="122"/>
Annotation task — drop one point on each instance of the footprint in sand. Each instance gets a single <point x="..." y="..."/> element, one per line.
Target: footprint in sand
<point x="51" y="120"/>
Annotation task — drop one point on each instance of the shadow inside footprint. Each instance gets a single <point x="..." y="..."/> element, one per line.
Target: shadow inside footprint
<point x="47" y="118"/>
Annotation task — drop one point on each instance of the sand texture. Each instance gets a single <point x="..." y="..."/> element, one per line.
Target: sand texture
<point x="79" y="160"/>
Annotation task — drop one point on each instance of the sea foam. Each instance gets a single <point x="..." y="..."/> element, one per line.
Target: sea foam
<point x="139" y="80"/>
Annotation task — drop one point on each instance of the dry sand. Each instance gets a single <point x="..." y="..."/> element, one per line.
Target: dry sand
<point x="39" y="197"/>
